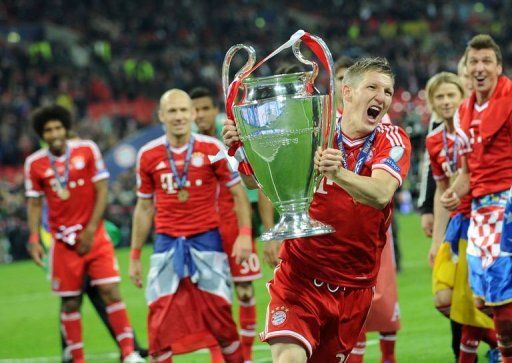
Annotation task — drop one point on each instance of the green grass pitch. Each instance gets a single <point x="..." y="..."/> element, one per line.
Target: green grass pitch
<point x="29" y="320"/>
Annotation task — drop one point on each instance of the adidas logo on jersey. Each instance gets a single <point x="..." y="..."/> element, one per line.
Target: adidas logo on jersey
<point x="161" y="165"/>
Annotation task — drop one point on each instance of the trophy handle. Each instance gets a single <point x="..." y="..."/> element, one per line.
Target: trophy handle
<point x="251" y="59"/>
<point x="311" y="80"/>
<point x="325" y="57"/>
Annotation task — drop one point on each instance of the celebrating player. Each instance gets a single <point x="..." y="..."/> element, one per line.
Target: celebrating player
<point x="189" y="285"/>
<point x="384" y="314"/>
<point x="73" y="179"/>
<point x="336" y="273"/>
<point x="445" y="145"/>
<point x="486" y="119"/>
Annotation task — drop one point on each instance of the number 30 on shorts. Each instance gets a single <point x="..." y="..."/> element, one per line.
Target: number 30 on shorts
<point x="252" y="264"/>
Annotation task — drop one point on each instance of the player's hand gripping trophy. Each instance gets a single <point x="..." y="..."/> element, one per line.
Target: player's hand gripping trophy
<point x="282" y="120"/>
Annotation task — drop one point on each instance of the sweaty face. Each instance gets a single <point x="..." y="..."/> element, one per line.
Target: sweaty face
<point x="54" y="134"/>
<point x="445" y="100"/>
<point x="369" y="100"/>
<point x="484" y="69"/>
<point x="177" y="113"/>
<point x="206" y="112"/>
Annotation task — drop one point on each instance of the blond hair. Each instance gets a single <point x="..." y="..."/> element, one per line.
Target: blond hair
<point x="436" y="81"/>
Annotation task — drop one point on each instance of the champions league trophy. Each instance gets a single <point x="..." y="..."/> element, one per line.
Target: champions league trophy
<point x="282" y="120"/>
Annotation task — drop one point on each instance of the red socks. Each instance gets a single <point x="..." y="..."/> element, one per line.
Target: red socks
<point x="118" y="319"/>
<point x="71" y="324"/>
<point x="357" y="353"/>
<point x="247" y="317"/>
<point x="233" y="353"/>
<point x="503" y="324"/>
<point x="387" y="347"/>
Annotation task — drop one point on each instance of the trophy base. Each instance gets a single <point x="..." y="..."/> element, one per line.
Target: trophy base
<point x="294" y="225"/>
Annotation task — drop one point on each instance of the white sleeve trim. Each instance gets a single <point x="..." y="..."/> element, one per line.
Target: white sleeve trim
<point x="233" y="182"/>
<point x="289" y="333"/>
<point x="393" y="173"/>
<point x="102" y="175"/>
<point x="144" y="195"/>
<point x="33" y="194"/>
<point x="439" y="177"/>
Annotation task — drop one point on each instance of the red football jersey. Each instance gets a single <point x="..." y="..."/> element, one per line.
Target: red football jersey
<point x="439" y="161"/>
<point x="85" y="168"/>
<point x="155" y="179"/>
<point x="351" y="255"/>
<point x="489" y="130"/>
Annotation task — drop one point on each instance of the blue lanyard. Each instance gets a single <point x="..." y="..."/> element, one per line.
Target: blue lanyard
<point x="363" y="154"/>
<point x="452" y="162"/>
<point x="180" y="181"/>
<point x="61" y="179"/>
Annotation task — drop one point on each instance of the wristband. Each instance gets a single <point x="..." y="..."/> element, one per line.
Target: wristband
<point x="135" y="254"/>
<point x="246" y="231"/>
<point x="33" y="239"/>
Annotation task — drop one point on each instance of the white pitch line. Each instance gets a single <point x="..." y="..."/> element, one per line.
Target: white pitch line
<point x="109" y="356"/>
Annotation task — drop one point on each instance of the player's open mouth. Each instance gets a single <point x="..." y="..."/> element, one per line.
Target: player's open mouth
<point x="480" y="79"/>
<point x="373" y="112"/>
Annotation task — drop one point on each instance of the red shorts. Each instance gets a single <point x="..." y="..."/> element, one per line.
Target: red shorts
<point x="324" y="318"/>
<point x="68" y="268"/>
<point x="249" y="270"/>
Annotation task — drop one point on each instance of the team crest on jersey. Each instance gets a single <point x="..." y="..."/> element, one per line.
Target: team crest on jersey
<point x="48" y="173"/>
<point x="396" y="153"/>
<point x="197" y="159"/>
<point x="78" y="162"/>
<point x="279" y="315"/>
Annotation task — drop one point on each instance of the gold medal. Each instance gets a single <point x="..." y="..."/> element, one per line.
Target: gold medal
<point x="63" y="194"/>
<point x="182" y="195"/>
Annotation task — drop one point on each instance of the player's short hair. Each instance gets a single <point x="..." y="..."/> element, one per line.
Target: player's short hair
<point x="288" y="68"/>
<point x="343" y="62"/>
<point x="42" y="115"/>
<point x="200" y="92"/>
<point x="485" y="41"/>
<point x="364" y="65"/>
<point x="437" y="80"/>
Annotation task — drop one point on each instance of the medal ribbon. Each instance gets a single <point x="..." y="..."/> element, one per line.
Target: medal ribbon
<point x="180" y="181"/>
<point x="61" y="179"/>
<point x="233" y="88"/>
<point x="363" y="154"/>
<point x="452" y="162"/>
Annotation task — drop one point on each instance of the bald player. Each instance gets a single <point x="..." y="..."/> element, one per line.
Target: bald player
<point x="189" y="287"/>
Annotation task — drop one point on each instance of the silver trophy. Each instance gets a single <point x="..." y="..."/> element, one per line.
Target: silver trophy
<point x="282" y="120"/>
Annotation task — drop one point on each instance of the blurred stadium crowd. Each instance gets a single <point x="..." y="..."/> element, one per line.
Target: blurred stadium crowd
<point x="108" y="60"/>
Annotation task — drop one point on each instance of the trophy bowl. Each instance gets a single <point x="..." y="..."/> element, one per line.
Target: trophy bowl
<point x="282" y="120"/>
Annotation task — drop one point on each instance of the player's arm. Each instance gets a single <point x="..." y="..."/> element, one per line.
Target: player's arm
<point x="450" y="199"/>
<point x="86" y="238"/>
<point x="141" y="226"/>
<point x="375" y="191"/>
<point x="34" y="213"/>
<point x="242" y="248"/>
<point x="270" y="248"/>
<point x="441" y="219"/>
